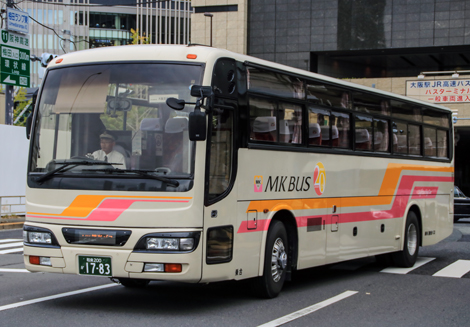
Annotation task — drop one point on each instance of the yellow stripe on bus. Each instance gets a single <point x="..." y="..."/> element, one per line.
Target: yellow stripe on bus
<point x="83" y="205"/>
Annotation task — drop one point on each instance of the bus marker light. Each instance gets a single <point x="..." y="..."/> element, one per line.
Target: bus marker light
<point x="154" y="267"/>
<point x="34" y="260"/>
<point x="191" y="56"/>
<point x="58" y="61"/>
<point x="45" y="261"/>
<point x="266" y="210"/>
<point x="173" y="267"/>
<point x="186" y="244"/>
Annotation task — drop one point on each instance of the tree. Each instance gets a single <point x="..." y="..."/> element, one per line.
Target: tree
<point x="21" y="103"/>
<point x="137" y="39"/>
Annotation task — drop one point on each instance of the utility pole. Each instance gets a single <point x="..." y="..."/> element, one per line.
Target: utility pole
<point x="9" y="91"/>
<point x="208" y="14"/>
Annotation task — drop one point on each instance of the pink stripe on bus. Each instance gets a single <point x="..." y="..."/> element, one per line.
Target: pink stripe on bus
<point x="396" y="211"/>
<point x="424" y="192"/>
<point x="109" y="209"/>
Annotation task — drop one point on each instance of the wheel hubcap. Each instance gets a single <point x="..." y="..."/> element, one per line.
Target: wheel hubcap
<point x="412" y="237"/>
<point x="278" y="259"/>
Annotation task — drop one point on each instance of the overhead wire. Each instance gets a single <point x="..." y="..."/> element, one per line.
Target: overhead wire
<point x="77" y="5"/>
<point x="61" y="39"/>
<point x="100" y="5"/>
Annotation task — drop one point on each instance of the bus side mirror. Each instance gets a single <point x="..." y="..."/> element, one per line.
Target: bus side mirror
<point x="201" y="91"/>
<point x="177" y="104"/>
<point x="197" y="126"/>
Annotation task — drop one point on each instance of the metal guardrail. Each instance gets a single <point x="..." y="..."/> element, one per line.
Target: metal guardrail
<point x="12" y="205"/>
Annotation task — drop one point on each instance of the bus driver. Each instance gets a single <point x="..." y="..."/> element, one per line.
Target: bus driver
<point x="107" y="152"/>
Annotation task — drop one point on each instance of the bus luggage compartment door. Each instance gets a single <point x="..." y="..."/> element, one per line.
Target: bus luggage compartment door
<point x="334" y="223"/>
<point x="252" y="219"/>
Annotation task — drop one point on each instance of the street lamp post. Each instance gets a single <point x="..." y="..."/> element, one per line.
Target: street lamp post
<point x="208" y="14"/>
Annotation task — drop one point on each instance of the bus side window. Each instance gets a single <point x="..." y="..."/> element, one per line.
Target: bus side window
<point x="220" y="165"/>
<point x="430" y="138"/>
<point x="290" y="123"/>
<point x="264" y="129"/>
<point x="363" y="128"/>
<point x="381" y="135"/>
<point x="401" y="132"/>
<point x="320" y="93"/>
<point x="414" y="139"/>
<point x="318" y="126"/>
<point x="263" y="121"/>
<point x="363" y="139"/>
<point x="341" y="130"/>
<point x="442" y="144"/>
<point x="314" y="134"/>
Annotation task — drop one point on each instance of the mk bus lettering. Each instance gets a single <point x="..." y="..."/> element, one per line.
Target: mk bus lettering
<point x="287" y="184"/>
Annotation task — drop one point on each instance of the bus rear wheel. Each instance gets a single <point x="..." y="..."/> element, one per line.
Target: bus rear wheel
<point x="275" y="262"/>
<point x="133" y="283"/>
<point x="407" y="257"/>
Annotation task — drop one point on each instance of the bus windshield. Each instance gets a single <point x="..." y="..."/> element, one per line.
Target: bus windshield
<point x="113" y="119"/>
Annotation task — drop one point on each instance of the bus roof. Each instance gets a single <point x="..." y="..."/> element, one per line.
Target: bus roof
<point x="204" y="54"/>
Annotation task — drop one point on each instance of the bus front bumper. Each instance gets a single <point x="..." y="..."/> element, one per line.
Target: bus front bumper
<point x="115" y="263"/>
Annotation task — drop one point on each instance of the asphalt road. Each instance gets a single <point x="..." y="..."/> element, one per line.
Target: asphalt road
<point x="355" y="293"/>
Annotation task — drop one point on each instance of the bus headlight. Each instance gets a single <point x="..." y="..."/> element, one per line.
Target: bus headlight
<point x="176" y="244"/>
<point x="154" y="243"/>
<point x="166" y="242"/>
<point x="37" y="236"/>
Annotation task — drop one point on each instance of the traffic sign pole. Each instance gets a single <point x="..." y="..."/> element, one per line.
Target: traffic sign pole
<point x="9" y="104"/>
<point x="14" y="56"/>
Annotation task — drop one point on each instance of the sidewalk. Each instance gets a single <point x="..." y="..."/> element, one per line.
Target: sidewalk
<point x="15" y="222"/>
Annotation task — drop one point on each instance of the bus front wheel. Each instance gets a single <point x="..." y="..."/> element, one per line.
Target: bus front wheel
<point x="407" y="257"/>
<point x="275" y="262"/>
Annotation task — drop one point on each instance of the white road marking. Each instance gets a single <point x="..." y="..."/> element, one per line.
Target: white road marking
<point x="11" y="250"/>
<point x="14" y="270"/>
<point x="421" y="261"/>
<point x="10" y="245"/>
<point x="308" y="310"/>
<point x="455" y="270"/>
<point x="10" y="240"/>
<point x="53" y="297"/>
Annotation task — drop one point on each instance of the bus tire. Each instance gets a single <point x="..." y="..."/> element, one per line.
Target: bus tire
<point x="133" y="283"/>
<point x="407" y="257"/>
<point x="275" y="262"/>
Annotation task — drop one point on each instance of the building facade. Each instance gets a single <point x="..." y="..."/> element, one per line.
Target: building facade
<point x="62" y="26"/>
<point x="402" y="46"/>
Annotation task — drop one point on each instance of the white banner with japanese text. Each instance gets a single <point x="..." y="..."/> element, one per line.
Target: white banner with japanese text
<point x="440" y="91"/>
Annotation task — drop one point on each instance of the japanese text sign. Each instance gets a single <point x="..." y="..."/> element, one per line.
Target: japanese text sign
<point x="14" y="59"/>
<point x="17" y="20"/>
<point x="440" y="91"/>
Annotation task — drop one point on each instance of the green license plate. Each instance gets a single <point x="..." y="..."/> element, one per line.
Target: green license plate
<point x="96" y="266"/>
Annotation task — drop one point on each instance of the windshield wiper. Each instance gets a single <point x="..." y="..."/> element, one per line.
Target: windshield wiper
<point x="139" y="172"/>
<point x="67" y="165"/>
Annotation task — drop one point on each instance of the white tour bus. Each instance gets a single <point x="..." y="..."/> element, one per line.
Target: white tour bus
<point x="195" y="164"/>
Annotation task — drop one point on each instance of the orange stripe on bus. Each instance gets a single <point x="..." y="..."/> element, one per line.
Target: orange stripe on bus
<point x="384" y="197"/>
<point x="83" y="205"/>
